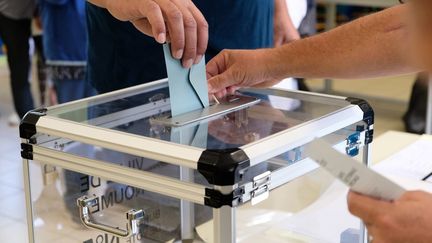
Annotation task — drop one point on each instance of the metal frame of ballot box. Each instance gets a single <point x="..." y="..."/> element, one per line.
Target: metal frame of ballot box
<point x="223" y="169"/>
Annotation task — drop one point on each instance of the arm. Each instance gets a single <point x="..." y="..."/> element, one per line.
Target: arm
<point x="99" y="3"/>
<point x="179" y="22"/>
<point x="372" y="46"/>
<point x="283" y="27"/>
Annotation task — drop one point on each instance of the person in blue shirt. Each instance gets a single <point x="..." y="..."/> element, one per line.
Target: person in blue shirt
<point x="65" y="41"/>
<point x="120" y="55"/>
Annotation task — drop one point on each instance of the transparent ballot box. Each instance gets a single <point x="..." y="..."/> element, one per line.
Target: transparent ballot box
<point x="118" y="168"/>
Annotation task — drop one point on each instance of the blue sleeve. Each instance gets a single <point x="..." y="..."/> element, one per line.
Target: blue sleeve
<point x="56" y="2"/>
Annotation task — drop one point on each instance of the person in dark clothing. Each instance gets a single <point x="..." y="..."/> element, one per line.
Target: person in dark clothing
<point x="120" y="55"/>
<point x="15" y="31"/>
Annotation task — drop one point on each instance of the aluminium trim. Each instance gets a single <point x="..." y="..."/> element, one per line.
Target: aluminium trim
<point x="122" y="117"/>
<point x="299" y="168"/>
<point x="289" y="173"/>
<point x="141" y="179"/>
<point x="28" y="199"/>
<point x="299" y="135"/>
<point x="224" y="220"/>
<point x="114" y="95"/>
<point x="308" y="93"/>
<point x="150" y="148"/>
<point x="129" y="115"/>
<point x="302" y="95"/>
<point x="277" y="178"/>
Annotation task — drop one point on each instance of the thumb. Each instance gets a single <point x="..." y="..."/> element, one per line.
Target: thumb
<point x="220" y="82"/>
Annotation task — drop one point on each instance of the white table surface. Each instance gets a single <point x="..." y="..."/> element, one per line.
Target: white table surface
<point x="389" y="143"/>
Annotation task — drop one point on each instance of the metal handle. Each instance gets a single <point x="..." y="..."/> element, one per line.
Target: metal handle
<point x="133" y="219"/>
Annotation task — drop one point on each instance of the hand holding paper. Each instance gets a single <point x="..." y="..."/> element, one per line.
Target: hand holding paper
<point x="352" y="173"/>
<point x="407" y="219"/>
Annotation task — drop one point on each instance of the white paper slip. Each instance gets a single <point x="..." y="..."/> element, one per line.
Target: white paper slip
<point x="355" y="175"/>
<point x="413" y="162"/>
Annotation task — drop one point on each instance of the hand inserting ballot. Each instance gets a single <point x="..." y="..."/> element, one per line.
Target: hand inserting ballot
<point x="232" y="69"/>
<point x="176" y="21"/>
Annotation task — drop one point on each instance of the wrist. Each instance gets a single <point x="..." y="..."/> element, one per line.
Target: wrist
<point x="274" y="62"/>
<point x="99" y="3"/>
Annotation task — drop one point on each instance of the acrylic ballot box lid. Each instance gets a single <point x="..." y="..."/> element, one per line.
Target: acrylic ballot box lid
<point x="226" y="150"/>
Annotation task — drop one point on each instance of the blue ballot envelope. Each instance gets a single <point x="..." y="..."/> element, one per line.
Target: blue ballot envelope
<point x="187" y="87"/>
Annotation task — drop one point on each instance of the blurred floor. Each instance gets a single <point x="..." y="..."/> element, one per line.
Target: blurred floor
<point x="388" y="96"/>
<point x="13" y="226"/>
<point x="12" y="209"/>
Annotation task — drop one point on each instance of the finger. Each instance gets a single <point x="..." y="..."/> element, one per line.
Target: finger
<point x="220" y="94"/>
<point x="202" y="33"/>
<point x="220" y="82"/>
<point x="211" y="97"/>
<point x="168" y="37"/>
<point x="232" y="89"/>
<point x="224" y="93"/>
<point x="366" y="208"/>
<point x="156" y="20"/>
<point x="217" y="64"/>
<point x="190" y="32"/>
<point x="143" y="26"/>
<point x="414" y="196"/>
<point x="174" y="19"/>
<point x="212" y="67"/>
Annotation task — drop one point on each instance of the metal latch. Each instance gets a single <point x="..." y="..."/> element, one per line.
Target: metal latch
<point x="353" y="143"/>
<point x="259" y="189"/>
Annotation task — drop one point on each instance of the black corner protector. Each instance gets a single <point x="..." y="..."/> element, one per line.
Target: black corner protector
<point x="367" y="109"/>
<point x="26" y="151"/>
<point x="215" y="199"/>
<point x="223" y="167"/>
<point x="27" y="126"/>
<point x="369" y="136"/>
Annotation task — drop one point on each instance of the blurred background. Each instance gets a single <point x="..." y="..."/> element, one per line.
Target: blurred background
<point x="390" y="98"/>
